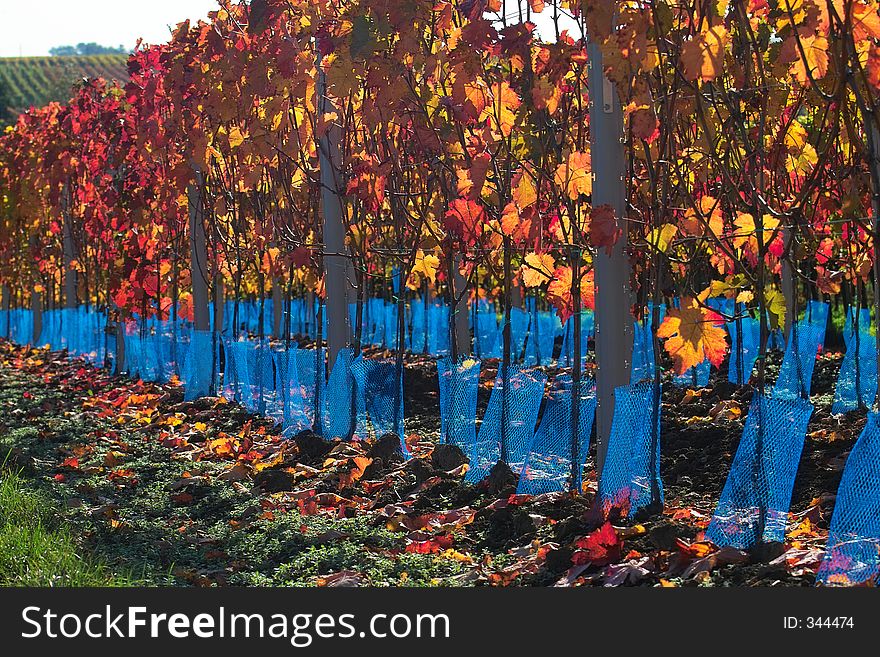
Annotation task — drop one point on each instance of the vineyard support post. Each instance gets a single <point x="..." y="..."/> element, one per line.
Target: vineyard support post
<point x="460" y="310"/>
<point x="199" y="253"/>
<point x="277" y="308"/>
<point x="37" y="310"/>
<point x="70" y="277"/>
<point x="874" y="145"/>
<point x="335" y="262"/>
<point x="788" y="290"/>
<point x="6" y="300"/>
<point x="614" y="325"/>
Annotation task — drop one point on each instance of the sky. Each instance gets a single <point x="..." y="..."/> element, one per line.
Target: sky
<point x="31" y="29"/>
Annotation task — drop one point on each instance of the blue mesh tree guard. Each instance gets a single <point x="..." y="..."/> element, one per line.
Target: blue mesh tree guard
<point x="852" y="555"/>
<point x="381" y="390"/>
<point x="438" y="330"/>
<point x="751" y="342"/>
<point x="631" y="474"/>
<point x="522" y="399"/>
<point x="389" y="315"/>
<point x="418" y="342"/>
<point x="817" y="315"/>
<point x="458" y="385"/>
<point x="311" y="378"/>
<point x="200" y="367"/>
<point x="259" y="389"/>
<point x="542" y="336"/>
<point x="796" y="372"/>
<point x="547" y="467"/>
<point x="295" y="415"/>
<point x="344" y="409"/>
<point x="519" y="329"/>
<point x="486" y="332"/>
<point x="695" y="377"/>
<point x="566" y="354"/>
<point x="643" y="353"/>
<point x="857" y="379"/>
<point x="864" y="325"/>
<point x="754" y="504"/>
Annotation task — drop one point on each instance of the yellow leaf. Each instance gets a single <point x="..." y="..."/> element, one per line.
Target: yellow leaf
<point x="660" y="238"/>
<point x="425" y="268"/>
<point x="538" y="269"/>
<point x="236" y="138"/>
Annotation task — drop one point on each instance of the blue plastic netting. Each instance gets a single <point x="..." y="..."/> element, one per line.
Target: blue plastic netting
<point x="485" y="330"/>
<point x="521" y="399"/>
<point x="754" y="503"/>
<point x="542" y="337"/>
<point x="380" y="385"/>
<point x="547" y="467"/>
<point x="200" y="367"/>
<point x="852" y="555"/>
<point x="344" y="409"/>
<point x="695" y="377"/>
<point x="857" y="380"/>
<point x="643" y="353"/>
<point x="566" y="353"/>
<point x="741" y="364"/>
<point x="631" y="474"/>
<point x="796" y="372"/>
<point x="458" y="385"/>
<point x="817" y="315"/>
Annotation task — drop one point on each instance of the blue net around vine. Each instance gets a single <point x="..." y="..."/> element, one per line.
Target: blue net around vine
<point x="380" y="386"/>
<point x="545" y="327"/>
<point x="743" y="356"/>
<point x="566" y="353"/>
<point x="852" y="554"/>
<point x="547" y="467"/>
<point x="643" y="353"/>
<point x="458" y="385"/>
<point x="344" y="409"/>
<point x="200" y="368"/>
<point x="816" y="314"/>
<point x="695" y="377"/>
<point x="438" y="330"/>
<point x="857" y="379"/>
<point x="522" y="400"/>
<point x="796" y="373"/>
<point x="754" y="504"/>
<point x="630" y="477"/>
<point x="486" y="331"/>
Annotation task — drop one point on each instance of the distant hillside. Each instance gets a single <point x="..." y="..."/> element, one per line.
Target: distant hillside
<point x="39" y="80"/>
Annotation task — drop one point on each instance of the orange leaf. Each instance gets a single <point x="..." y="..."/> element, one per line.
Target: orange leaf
<point x="703" y="56"/>
<point x="693" y="334"/>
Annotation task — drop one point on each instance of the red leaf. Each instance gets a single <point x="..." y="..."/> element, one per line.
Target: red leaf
<point x="604" y="230"/>
<point x="600" y="548"/>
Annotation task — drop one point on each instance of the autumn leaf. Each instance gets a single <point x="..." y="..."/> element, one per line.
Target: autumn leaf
<point x="425" y="268"/>
<point x="703" y="56"/>
<point x="693" y="334"/>
<point x="601" y="547"/>
<point x="465" y="219"/>
<point x="604" y="230"/>
<point x="808" y="55"/>
<point x="537" y="269"/>
<point x="575" y="175"/>
<point x="661" y="238"/>
<point x="559" y="292"/>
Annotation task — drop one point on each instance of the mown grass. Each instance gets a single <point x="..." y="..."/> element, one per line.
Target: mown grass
<point x="35" y="550"/>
